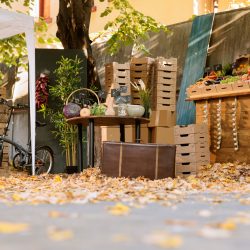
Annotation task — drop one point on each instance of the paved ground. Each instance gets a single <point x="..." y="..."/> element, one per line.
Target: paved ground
<point x="95" y="229"/>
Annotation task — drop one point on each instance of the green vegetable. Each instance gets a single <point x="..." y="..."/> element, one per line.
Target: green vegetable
<point x="97" y="109"/>
<point x="230" y="79"/>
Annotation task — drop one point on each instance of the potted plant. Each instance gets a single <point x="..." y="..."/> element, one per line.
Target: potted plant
<point x="67" y="77"/>
<point x="144" y="94"/>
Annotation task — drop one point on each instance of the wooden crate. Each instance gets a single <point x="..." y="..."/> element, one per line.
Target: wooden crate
<point x="164" y="106"/>
<point x="188" y="167"/>
<point x="193" y="157"/>
<point x="226" y="152"/>
<point x="162" y="135"/>
<point x="117" y="66"/>
<point x="166" y="64"/>
<point x="192" y="147"/>
<point x="165" y="87"/>
<point x="142" y="60"/>
<point x="184" y="174"/>
<point x="190" y="129"/>
<point x="162" y="118"/>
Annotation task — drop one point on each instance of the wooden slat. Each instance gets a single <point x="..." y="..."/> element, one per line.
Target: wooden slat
<point x="219" y="95"/>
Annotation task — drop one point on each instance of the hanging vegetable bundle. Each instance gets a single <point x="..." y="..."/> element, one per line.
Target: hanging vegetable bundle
<point x="41" y="91"/>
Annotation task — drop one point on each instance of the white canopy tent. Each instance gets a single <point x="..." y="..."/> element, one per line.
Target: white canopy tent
<point x="11" y="24"/>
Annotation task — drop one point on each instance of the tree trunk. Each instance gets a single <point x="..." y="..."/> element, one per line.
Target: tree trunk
<point x="73" y="22"/>
<point x="73" y="31"/>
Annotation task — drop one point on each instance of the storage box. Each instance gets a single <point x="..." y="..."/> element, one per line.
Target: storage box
<point x="113" y="133"/>
<point x="240" y="86"/>
<point x="192" y="148"/>
<point x="193" y="157"/>
<point x="184" y="174"/>
<point x="188" y="167"/>
<point x="166" y="64"/>
<point x="191" y="129"/>
<point x="191" y="138"/>
<point x="165" y="87"/>
<point x="133" y="160"/>
<point x="164" y="106"/>
<point x="162" y="135"/>
<point x="162" y="118"/>
<point x="117" y="66"/>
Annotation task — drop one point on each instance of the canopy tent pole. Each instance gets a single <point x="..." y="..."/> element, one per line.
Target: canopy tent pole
<point x="12" y="23"/>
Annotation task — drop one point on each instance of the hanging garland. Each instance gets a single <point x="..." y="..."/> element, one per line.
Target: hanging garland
<point x="234" y="125"/>
<point x="205" y="112"/>
<point x="41" y="91"/>
<point x="218" y="127"/>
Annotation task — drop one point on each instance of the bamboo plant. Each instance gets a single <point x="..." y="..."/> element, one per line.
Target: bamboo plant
<point x="67" y="77"/>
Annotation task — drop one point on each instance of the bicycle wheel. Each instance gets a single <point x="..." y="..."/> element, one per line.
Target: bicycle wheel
<point x="44" y="160"/>
<point x="16" y="161"/>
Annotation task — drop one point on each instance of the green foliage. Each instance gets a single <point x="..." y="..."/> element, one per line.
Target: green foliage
<point x="8" y="3"/>
<point x="144" y="94"/>
<point x="68" y="79"/>
<point x="13" y="50"/>
<point x="97" y="109"/>
<point x="130" y="27"/>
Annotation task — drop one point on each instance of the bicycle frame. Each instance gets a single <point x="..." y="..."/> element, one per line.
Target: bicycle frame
<point x="26" y="154"/>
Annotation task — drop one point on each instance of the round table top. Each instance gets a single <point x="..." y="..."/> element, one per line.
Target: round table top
<point x="107" y="120"/>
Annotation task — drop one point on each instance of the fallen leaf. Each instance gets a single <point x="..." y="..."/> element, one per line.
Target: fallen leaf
<point x="119" y="209"/>
<point x="245" y="201"/>
<point x="120" y="238"/>
<point x="17" y="197"/>
<point x="164" y="240"/>
<point x="56" y="214"/>
<point x="204" y="213"/>
<point x="185" y="223"/>
<point x="9" y="227"/>
<point x="227" y="225"/>
<point x="214" y="233"/>
<point x="57" y="234"/>
<point x="57" y="178"/>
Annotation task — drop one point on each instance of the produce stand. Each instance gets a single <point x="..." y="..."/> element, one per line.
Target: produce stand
<point x="228" y="116"/>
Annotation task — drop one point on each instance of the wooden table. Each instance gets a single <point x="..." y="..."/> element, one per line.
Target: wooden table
<point x="92" y="121"/>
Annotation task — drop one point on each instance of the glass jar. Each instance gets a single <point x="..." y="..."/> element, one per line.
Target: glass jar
<point x="122" y="109"/>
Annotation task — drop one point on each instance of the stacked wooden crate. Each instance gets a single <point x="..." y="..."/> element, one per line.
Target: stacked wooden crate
<point x="164" y="88"/>
<point x="117" y="75"/>
<point x="163" y="116"/>
<point x="4" y="114"/>
<point x="192" y="148"/>
<point x="141" y="69"/>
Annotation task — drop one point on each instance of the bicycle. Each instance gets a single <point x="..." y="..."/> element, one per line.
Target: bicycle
<point x="44" y="157"/>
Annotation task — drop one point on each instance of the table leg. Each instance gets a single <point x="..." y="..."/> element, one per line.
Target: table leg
<point x="80" y="151"/>
<point x="137" y="131"/>
<point x="91" y="143"/>
<point x="122" y="132"/>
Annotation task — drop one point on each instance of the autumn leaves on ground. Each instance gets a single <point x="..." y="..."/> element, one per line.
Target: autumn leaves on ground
<point x="124" y="196"/>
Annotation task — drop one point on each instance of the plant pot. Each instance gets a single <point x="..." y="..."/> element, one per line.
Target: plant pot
<point x="146" y="113"/>
<point x="72" y="169"/>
